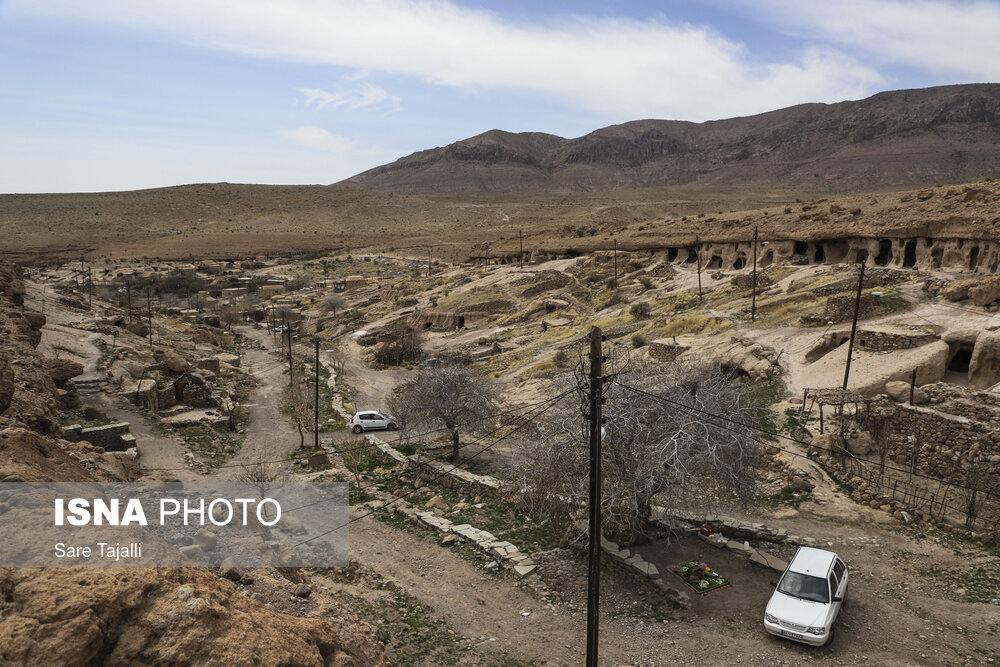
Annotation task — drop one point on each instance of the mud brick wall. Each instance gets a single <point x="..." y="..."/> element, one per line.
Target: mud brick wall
<point x="944" y="445"/>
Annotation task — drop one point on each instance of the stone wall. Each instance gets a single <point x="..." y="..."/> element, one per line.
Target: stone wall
<point x="112" y="437"/>
<point x="937" y="443"/>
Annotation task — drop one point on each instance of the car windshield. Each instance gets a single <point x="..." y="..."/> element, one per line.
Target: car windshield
<point x="804" y="587"/>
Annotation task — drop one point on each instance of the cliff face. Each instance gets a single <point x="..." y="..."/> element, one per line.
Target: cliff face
<point x="909" y="137"/>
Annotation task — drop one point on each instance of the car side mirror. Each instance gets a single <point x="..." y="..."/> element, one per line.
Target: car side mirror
<point x="837" y="598"/>
<point x="774" y="584"/>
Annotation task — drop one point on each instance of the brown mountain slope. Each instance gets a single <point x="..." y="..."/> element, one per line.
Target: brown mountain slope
<point x="900" y="138"/>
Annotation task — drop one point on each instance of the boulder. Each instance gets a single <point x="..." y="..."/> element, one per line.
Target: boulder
<point x="984" y="367"/>
<point x="61" y="370"/>
<point x="302" y="591"/>
<point x="205" y="539"/>
<point x="900" y="392"/>
<point x="437" y="501"/>
<point x="959" y="289"/>
<point x="176" y="363"/>
<point x="861" y="443"/>
<point x="35" y="320"/>
<point x="138" y="328"/>
<point x="986" y="292"/>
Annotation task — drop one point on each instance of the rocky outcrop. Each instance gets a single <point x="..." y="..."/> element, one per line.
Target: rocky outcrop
<point x="63" y="370"/>
<point x="163" y="616"/>
<point x="986" y="292"/>
<point x="984" y="367"/>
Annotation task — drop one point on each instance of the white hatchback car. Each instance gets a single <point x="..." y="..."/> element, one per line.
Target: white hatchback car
<point x="808" y="597"/>
<point x="372" y="420"/>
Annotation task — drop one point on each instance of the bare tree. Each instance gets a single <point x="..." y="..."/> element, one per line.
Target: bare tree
<point x="454" y="396"/>
<point x="650" y="448"/>
<point x="332" y="304"/>
<point x="297" y="402"/>
<point x="260" y="474"/>
<point x="228" y="316"/>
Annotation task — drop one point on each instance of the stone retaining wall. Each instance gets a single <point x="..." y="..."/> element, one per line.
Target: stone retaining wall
<point x="112" y="437"/>
<point x="940" y="444"/>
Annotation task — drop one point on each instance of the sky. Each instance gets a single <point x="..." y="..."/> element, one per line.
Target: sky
<point x="99" y="95"/>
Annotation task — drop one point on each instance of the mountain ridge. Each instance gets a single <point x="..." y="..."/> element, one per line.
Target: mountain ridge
<point x="891" y="139"/>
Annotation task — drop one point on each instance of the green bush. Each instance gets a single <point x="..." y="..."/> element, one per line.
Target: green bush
<point x="639" y="340"/>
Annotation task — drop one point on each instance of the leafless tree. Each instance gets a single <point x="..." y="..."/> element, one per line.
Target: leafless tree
<point x="228" y="316"/>
<point x="260" y="474"/>
<point x="650" y="448"/>
<point x="332" y="304"/>
<point x="453" y="396"/>
<point x="297" y="401"/>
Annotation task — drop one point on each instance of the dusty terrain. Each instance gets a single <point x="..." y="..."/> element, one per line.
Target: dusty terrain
<point x="435" y="604"/>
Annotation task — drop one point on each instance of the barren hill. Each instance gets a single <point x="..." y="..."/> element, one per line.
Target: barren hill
<point x="945" y="134"/>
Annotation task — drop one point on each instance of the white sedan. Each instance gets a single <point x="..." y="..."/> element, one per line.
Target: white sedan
<point x="808" y="597"/>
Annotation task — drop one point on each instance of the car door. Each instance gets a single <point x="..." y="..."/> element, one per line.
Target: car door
<point x="840" y="570"/>
<point x="835" y="590"/>
<point x="379" y="420"/>
<point x="368" y="421"/>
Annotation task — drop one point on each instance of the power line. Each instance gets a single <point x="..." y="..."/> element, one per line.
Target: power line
<point x="526" y="421"/>
<point x="797" y="441"/>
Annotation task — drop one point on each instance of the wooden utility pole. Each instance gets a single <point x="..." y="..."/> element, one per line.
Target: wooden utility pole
<point x="616" y="260"/>
<point x="316" y="410"/>
<point x="753" y="303"/>
<point x="149" y="314"/>
<point x="286" y="332"/>
<point x="520" y="255"/>
<point x="594" y="543"/>
<point x="90" y="287"/>
<point x="854" y="325"/>
<point x="697" y="254"/>
<point x="913" y="384"/>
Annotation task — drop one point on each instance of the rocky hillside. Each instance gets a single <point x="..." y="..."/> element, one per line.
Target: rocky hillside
<point x="946" y="134"/>
<point x="163" y="616"/>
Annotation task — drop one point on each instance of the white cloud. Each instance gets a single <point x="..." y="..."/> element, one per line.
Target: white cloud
<point x="620" y="68"/>
<point x="956" y="37"/>
<point x="364" y="96"/>
<point x="317" y="138"/>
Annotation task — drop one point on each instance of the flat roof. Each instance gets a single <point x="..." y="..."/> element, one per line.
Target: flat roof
<point x="815" y="562"/>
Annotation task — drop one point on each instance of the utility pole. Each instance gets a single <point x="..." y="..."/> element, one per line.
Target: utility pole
<point x="274" y="323"/>
<point x="520" y="256"/>
<point x="753" y="303"/>
<point x="697" y="253"/>
<point x="286" y="332"/>
<point x="616" y="260"/>
<point x="854" y="325"/>
<point x="316" y="410"/>
<point x="90" y="286"/>
<point x="428" y="262"/>
<point x="913" y="384"/>
<point x="594" y="544"/>
<point x="149" y="314"/>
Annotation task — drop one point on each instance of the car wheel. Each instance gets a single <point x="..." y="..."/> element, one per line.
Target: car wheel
<point x="357" y="428"/>
<point x="391" y="426"/>
<point x="829" y="640"/>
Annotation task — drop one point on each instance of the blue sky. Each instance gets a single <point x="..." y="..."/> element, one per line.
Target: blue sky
<point x="114" y="95"/>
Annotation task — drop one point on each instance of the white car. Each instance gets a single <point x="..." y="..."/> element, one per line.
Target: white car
<point x="808" y="597"/>
<point x="372" y="420"/>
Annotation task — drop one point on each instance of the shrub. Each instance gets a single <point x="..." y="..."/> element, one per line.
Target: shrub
<point x="788" y="209"/>
<point x="646" y="282"/>
<point x="639" y="340"/>
<point x="611" y="283"/>
<point x="640" y="310"/>
<point x="561" y="359"/>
